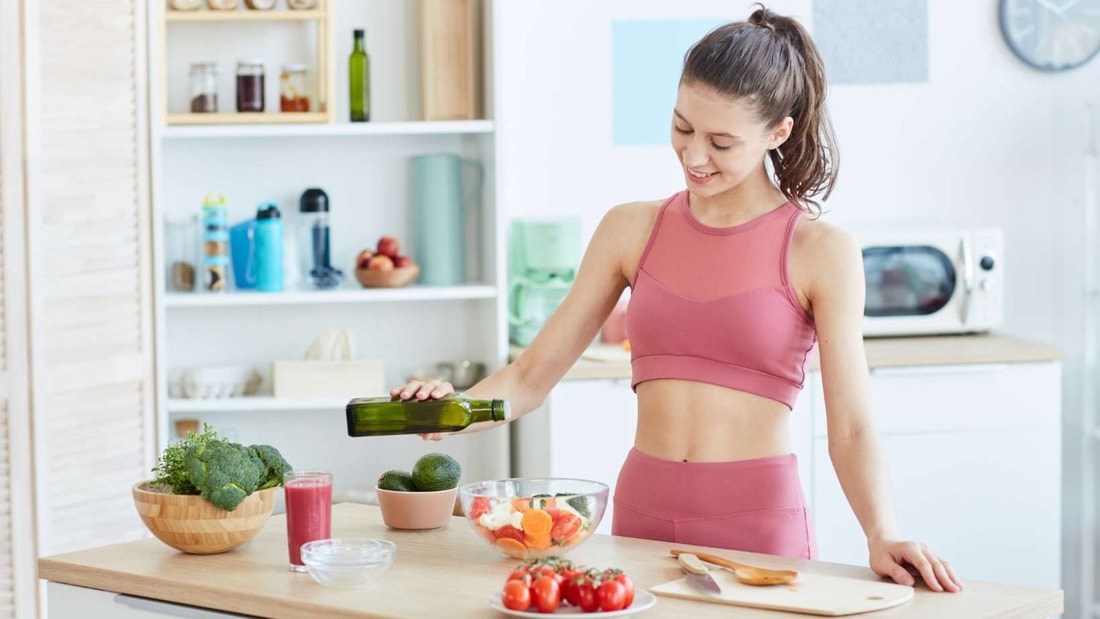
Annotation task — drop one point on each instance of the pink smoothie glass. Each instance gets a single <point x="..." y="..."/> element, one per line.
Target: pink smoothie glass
<point x="308" y="511"/>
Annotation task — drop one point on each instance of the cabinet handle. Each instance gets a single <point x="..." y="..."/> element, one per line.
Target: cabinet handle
<point x="958" y="368"/>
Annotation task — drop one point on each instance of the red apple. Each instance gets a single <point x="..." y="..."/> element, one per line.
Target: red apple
<point x="363" y="259"/>
<point x="389" y="246"/>
<point x="401" y="262"/>
<point x="380" y="262"/>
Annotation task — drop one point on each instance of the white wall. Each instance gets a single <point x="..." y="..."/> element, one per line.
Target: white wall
<point x="985" y="141"/>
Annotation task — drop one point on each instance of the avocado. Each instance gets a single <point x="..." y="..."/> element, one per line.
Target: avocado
<point x="400" y="481"/>
<point x="436" y="471"/>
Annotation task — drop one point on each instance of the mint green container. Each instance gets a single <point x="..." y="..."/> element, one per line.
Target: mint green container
<point x="446" y="189"/>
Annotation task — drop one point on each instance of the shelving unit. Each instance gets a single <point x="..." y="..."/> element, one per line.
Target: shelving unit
<point x="324" y="78"/>
<point x="401" y="128"/>
<point x="365" y="169"/>
<point x="324" y="297"/>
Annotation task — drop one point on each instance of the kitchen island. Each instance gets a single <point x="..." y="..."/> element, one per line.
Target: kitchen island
<point x="448" y="572"/>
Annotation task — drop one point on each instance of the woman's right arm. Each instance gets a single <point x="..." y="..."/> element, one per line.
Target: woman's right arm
<point x="600" y="281"/>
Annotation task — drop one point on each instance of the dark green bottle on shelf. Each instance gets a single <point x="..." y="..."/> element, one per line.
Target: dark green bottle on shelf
<point x="359" y="79"/>
<point x="384" y="416"/>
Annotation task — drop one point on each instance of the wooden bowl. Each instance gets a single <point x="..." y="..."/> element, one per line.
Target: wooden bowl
<point x="191" y="524"/>
<point x="394" y="278"/>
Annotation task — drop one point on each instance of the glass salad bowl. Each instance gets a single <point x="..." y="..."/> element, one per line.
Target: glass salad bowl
<point x="534" y="518"/>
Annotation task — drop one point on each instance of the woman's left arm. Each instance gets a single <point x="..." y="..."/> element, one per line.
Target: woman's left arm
<point x="835" y="291"/>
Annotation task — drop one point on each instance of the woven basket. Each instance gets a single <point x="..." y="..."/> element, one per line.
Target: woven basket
<point x="192" y="524"/>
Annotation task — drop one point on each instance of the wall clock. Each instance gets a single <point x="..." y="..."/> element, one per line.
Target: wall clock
<point x="1052" y="35"/>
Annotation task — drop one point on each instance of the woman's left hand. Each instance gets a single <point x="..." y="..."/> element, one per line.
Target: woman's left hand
<point x="894" y="559"/>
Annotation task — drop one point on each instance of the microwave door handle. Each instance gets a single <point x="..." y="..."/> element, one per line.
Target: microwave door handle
<point x="967" y="269"/>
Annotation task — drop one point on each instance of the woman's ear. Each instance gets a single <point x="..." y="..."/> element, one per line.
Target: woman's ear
<point x="780" y="133"/>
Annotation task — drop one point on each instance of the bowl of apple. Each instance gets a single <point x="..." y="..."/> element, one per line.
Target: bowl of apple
<point x="384" y="266"/>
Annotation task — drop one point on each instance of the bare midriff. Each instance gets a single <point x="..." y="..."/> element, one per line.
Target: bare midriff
<point x="699" y="422"/>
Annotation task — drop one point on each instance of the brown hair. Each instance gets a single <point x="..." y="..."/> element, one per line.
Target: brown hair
<point x="771" y="63"/>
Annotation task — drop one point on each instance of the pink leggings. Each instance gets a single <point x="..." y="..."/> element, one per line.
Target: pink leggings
<point x="752" y="505"/>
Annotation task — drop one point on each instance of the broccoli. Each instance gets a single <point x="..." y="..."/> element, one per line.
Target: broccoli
<point x="579" y="503"/>
<point x="171" y="471"/>
<point x="225" y="473"/>
<point x="274" y="465"/>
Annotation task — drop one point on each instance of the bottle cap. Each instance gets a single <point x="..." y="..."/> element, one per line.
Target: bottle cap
<point x="359" y="33"/>
<point x="268" y="211"/>
<point x="314" y="200"/>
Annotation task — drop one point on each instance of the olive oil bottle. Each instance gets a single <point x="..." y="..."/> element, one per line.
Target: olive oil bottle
<point x="359" y="79"/>
<point x="385" y="416"/>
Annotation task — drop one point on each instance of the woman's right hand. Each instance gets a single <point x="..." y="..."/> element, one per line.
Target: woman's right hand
<point x="421" y="390"/>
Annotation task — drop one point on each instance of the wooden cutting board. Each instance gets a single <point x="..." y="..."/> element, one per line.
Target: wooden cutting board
<point x="810" y="594"/>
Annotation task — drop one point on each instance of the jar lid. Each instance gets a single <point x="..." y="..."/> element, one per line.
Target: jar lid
<point x="204" y="66"/>
<point x="314" y="200"/>
<point x="295" y="68"/>
<point x="251" y="62"/>
<point x="267" y="211"/>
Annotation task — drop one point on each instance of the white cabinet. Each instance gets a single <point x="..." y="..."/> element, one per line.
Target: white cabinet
<point x="974" y="453"/>
<point x="974" y="457"/>
<point x="66" y="601"/>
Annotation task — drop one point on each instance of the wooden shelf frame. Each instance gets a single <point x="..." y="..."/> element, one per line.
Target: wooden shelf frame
<point x="324" y="78"/>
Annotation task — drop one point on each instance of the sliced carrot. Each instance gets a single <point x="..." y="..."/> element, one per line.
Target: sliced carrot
<point x="537" y="523"/>
<point x="537" y="543"/>
<point x="521" y="505"/>
<point x="511" y="547"/>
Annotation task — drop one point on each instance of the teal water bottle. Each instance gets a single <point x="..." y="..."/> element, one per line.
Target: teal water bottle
<point x="269" y="249"/>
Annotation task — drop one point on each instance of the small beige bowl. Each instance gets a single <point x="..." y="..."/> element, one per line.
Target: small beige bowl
<point x="416" y="511"/>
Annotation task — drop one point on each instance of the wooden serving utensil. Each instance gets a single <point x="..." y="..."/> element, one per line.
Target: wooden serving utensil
<point x="746" y="574"/>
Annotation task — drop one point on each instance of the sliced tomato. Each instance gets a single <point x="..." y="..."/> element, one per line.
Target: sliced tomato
<point x="509" y="531"/>
<point x="567" y="525"/>
<point x="479" y="507"/>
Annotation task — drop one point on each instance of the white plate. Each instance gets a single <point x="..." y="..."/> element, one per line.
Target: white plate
<point x="642" y="600"/>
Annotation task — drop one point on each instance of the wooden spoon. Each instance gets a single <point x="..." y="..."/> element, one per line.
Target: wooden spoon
<point x="746" y="574"/>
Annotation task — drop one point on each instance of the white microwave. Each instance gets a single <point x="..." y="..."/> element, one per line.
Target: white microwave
<point x="925" y="282"/>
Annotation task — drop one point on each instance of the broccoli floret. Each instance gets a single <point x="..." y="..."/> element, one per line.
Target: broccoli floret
<point x="225" y="473"/>
<point x="274" y="463"/>
<point x="578" y="503"/>
<point x="171" y="471"/>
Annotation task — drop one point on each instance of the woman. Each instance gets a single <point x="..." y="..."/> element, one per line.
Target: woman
<point x="732" y="283"/>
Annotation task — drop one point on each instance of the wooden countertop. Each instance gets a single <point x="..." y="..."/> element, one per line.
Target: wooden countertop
<point x="449" y="572"/>
<point x="611" y="361"/>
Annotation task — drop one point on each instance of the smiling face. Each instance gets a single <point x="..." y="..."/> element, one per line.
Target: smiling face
<point x="719" y="140"/>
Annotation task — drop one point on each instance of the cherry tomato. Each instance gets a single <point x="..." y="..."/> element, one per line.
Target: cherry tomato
<point x="611" y="595"/>
<point x="587" y="595"/>
<point x="479" y="507"/>
<point x="520" y="573"/>
<point x="571" y="590"/>
<point x="516" y="595"/>
<point x="546" y="594"/>
<point x="628" y="588"/>
<point x="542" y="570"/>
<point x="565" y="527"/>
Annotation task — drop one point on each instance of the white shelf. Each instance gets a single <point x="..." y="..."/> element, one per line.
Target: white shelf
<point x="456" y="127"/>
<point x="254" y="403"/>
<point x="313" y="297"/>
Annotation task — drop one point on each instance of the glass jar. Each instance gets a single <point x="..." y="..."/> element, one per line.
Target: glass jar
<point x="250" y="85"/>
<point x="181" y="252"/>
<point x="204" y="88"/>
<point x="293" y="88"/>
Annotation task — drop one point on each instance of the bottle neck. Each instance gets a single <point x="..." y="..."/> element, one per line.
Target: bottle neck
<point x="360" y="44"/>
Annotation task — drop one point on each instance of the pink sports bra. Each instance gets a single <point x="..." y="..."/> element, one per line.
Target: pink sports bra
<point x="714" y="305"/>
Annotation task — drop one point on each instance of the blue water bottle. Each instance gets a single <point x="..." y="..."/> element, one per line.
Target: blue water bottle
<point x="269" y="248"/>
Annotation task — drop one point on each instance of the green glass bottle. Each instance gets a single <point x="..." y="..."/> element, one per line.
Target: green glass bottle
<point x="359" y="79"/>
<point x="384" y="416"/>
